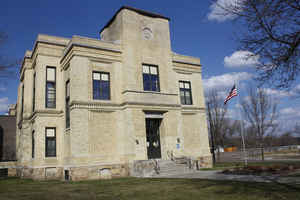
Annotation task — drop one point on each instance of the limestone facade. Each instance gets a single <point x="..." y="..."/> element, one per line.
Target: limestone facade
<point x="105" y="136"/>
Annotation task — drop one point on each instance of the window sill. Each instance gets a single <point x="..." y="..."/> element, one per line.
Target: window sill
<point x="51" y="158"/>
<point x="105" y="100"/>
<point x="50" y="108"/>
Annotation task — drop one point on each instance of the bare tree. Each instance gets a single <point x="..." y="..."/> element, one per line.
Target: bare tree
<point x="272" y="31"/>
<point x="7" y="68"/>
<point x="297" y="129"/>
<point x="216" y="111"/>
<point x="231" y="133"/>
<point x="261" y="112"/>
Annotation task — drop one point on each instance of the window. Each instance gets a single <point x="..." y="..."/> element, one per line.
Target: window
<point x="101" y="85"/>
<point x="51" y="87"/>
<point x="33" y="96"/>
<point x="67" y="104"/>
<point x="33" y="144"/>
<point x="22" y="102"/>
<point x="50" y="142"/>
<point x="185" y="92"/>
<point x="150" y="78"/>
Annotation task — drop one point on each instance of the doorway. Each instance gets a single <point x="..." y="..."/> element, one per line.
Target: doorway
<point x="153" y="138"/>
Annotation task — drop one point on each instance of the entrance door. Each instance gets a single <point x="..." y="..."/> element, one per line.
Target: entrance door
<point x="153" y="138"/>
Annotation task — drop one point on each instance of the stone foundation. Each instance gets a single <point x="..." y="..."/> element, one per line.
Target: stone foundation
<point x="75" y="173"/>
<point x="142" y="168"/>
<point x="11" y="166"/>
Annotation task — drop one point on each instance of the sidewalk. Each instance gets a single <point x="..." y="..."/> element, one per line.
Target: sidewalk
<point x="216" y="175"/>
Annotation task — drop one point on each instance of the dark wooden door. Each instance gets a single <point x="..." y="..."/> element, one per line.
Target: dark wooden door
<point x="153" y="138"/>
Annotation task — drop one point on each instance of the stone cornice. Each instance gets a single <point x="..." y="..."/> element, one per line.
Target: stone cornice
<point x="46" y="112"/>
<point x="93" y="103"/>
<point x="90" y="46"/>
<point x="148" y="92"/>
<point x="151" y="104"/>
<point x="192" y="110"/>
<point x="44" y="41"/>
<point x="115" y="106"/>
<point x="187" y="63"/>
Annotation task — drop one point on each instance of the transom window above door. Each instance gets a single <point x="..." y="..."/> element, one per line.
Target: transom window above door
<point x="150" y="78"/>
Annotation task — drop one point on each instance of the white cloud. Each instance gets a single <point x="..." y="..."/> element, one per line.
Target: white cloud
<point x="288" y="117"/>
<point x="277" y="93"/>
<point x="225" y="80"/>
<point x="241" y="59"/>
<point x="296" y="90"/>
<point x="290" y="112"/>
<point x="2" y="89"/>
<point x="4" y="104"/>
<point x="217" y="12"/>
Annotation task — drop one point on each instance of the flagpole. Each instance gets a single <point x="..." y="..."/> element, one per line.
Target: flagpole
<point x="242" y="127"/>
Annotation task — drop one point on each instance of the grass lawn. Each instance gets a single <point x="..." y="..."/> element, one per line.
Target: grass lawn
<point x="134" y="188"/>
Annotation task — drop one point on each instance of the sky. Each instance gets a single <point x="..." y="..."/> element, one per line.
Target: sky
<point x="196" y="30"/>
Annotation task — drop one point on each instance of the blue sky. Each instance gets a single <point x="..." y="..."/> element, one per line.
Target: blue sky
<point x="195" y="31"/>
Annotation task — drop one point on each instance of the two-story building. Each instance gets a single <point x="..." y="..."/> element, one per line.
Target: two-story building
<point x="91" y="107"/>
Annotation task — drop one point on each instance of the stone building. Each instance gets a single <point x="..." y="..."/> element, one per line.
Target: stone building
<point x="92" y="108"/>
<point x="8" y="135"/>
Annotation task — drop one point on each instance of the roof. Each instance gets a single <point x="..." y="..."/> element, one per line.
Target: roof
<point x="142" y="12"/>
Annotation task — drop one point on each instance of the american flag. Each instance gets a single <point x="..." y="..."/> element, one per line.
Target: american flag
<point x="231" y="94"/>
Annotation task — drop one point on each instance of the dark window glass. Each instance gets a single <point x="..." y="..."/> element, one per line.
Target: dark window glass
<point x="147" y="83"/>
<point x="150" y="78"/>
<point x="101" y="85"/>
<point x="68" y="104"/>
<point x="33" y="96"/>
<point x="185" y="92"/>
<point x="51" y="88"/>
<point x="33" y="144"/>
<point x="22" y="102"/>
<point x="50" y="142"/>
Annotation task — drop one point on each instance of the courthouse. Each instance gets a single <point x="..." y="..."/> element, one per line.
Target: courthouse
<point x="92" y="108"/>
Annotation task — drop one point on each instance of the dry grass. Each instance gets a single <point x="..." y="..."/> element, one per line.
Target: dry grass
<point x="154" y="189"/>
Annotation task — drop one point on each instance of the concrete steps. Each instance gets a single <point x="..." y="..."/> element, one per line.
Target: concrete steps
<point x="171" y="168"/>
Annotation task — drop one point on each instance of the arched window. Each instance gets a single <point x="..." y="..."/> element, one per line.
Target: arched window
<point x="1" y="142"/>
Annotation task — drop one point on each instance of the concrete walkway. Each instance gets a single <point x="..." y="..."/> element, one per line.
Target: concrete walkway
<point x="216" y="175"/>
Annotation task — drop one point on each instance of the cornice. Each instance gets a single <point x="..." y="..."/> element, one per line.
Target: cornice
<point x="149" y="92"/>
<point x="186" y="63"/>
<point x="185" y="70"/>
<point x="77" y="44"/>
<point x="115" y="106"/>
<point x="45" y="112"/>
<point x="35" y="47"/>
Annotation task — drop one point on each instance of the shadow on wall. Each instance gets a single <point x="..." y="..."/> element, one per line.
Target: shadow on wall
<point x="1" y="143"/>
<point x="7" y="138"/>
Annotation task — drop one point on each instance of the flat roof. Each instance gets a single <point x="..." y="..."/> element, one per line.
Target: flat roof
<point x="142" y="12"/>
